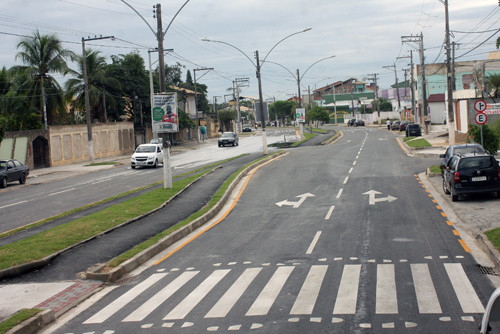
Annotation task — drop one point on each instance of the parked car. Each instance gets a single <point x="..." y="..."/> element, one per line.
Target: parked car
<point x="147" y="155"/>
<point x="359" y="122"/>
<point x="413" y="130"/>
<point x="13" y="170"/>
<point x="247" y="128"/>
<point x="459" y="149"/>
<point x="402" y="125"/>
<point x="351" y="122"/>
<point x="395" y="125"/>
<point x="470" y="173"/>
<point x="228" y="138"/>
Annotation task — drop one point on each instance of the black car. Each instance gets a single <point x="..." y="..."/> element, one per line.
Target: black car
<point x="359" y="122"/>
<point x="228" y="138"/>
<point x="471" y="173"/>
<point x="459" y="149"/>
<point x="395" y="125"/>
<point x="413" y="130"/>
<point x="13" y="170"/>
<point x="402" y="126"/>
<point x="351" y="122"/>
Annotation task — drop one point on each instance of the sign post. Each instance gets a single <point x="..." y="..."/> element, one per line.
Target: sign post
<point x="481" y="118"/>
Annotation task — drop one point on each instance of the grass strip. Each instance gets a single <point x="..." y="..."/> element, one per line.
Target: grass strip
<point x="494" y="237"/>
<point x="17" y="318"/>
<point x="416" y="143"/>
<point x="307" y="136"/>
<point x="435" y="169"/>
<point x="60" y="237"/>
<point x="153" y="240"/>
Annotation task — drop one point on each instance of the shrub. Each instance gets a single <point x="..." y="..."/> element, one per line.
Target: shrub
<point x="491" y="139"/>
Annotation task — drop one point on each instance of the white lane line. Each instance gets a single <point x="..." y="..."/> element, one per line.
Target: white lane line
<point x="339" y="193"/>
<point x="100" y="181"/>
<point x="304" y="304"/>
<point x="347" y="296"/>
<point x="463" y="288"/>
<point x="354" y="163"/>
<point x="17" y="203"/>
<point x="268" y="295"/>
<point x="184" y="307"/>
<point x="427" y="298"/>
<point x="119" y="303"/>
<point x="350" y="170"/>
<point x="386" y="296"/>
<point x="154" y="302"/>
<point x="63" y="191"/>
<point x="346" y="179"/>
<point x="226" y="303"/>
<point x="329" y="214"/>
<point x="313" y="243"/>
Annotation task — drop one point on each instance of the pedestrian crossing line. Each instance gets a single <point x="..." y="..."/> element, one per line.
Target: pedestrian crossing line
<point x="119" y="303"/>
<point x="427" y="299"/>
<point x="347" y="295"/>
<point x="233" y="294"/>
<point x="152" y="304"/>
<point x="309" y="292"/>
<point x="268" y="295"/>
<point x="467" y="297"/>
<point x="386" y="297"/>
<point x="184" y="307"/>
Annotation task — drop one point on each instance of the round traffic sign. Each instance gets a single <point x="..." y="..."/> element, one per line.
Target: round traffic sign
<point x="480" y="105"/>
<point x="481" y="118"/>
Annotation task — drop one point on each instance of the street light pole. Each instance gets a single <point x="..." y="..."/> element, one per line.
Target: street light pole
<point x="86" y="92"/>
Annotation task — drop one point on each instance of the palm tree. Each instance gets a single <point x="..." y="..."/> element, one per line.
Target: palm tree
<point x="99" y="84"/>
<point x="494" y="84"/>
<point x="42" y="55"/>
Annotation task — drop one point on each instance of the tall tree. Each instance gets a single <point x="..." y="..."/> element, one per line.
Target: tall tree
<point x="43" y="55"/>
<point x="99" y="84"/>
<point x="494" y="84"/>
<point x="281" y="110"/>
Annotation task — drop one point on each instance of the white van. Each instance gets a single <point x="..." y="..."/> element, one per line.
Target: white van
<point x="147" y="155"/>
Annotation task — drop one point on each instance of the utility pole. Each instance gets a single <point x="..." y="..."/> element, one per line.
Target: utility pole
<point x="195" y="100"/>
<point x="352" y="97"/>
<point x="237" y="83"/>
<point x="420" y="40"/>
<point x="374" y="78"/>
<point x="161" y="56"/>
<point x="261" y="103"/>
<point x="298" y="87"/>
<point x="393" y="66"/>
<point x="449" y="78"/>
<point x="412" y="82"/>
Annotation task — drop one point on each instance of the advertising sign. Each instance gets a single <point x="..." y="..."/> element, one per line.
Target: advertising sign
<point x="300" y="115"/>
<point x="164" y="113"/>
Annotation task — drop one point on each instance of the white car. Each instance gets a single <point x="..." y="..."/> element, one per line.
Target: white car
<point x="147" y="155"/>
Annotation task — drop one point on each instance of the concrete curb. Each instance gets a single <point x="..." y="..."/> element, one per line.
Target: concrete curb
<point x="145" y="255"/>
<point x="34" y="324"/>
<point x="34" y="265"/>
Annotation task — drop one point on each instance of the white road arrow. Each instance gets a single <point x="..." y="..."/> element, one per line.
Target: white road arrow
<point x="295" y="204"/>
<point x="373" y="200"/>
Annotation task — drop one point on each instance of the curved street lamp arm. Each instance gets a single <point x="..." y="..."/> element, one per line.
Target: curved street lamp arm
<point x="272" y="62"/>
<point x="314" y="64"/>
<point x="234" y="47"/>
<point x="275" y="45"/>
<point x="154" y="32"/>
<point x="185" y="3"/>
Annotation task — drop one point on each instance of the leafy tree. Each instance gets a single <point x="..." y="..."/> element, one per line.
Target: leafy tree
<point x="98" y="84"/>
<point x="189" y="80"/>
<point x="318" y="114"/>
<point x="494" y="84"/>
<point x="42" y="55"/>
<point x="491" y="140"/>
<point x="185" y="122"/>
<point x="282" y="110"/>
<point x="225" y="117"/>
<point x="384" y="104"/>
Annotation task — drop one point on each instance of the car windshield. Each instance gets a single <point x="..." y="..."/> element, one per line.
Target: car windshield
<point x="468" y="149"/>
<point x="475" y="162"/>
<point x="227" y="135"/>
<point x="146" y="149"/>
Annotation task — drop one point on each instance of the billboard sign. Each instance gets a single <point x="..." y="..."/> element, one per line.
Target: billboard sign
<point x="164" y="113"/>
<point x="300" y="115"/>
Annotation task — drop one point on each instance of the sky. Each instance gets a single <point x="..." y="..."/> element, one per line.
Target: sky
<point x="364" y="36"/>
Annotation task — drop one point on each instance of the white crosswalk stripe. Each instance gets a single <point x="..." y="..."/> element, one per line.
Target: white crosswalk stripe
<point x="245" y="283"/>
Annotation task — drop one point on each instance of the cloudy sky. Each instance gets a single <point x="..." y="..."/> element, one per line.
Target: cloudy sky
<point x="364" y="36"/>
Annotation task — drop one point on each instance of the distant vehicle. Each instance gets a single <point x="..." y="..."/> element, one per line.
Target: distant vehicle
<point x="471" y="173"/>
<point x="228" y="138"/>
<point x="13" y="170"/>
<point x="402" y="126"/>
<point x="156" y="141"/>
<point x="359" y="122"/>
<point x="459" y="149"/>
<point x="247" y="128"/>
<point x="413" y="130"/>
<point x="351" y="122"/>
<point x="147" y="155"/>
<point x="395" y="125"/>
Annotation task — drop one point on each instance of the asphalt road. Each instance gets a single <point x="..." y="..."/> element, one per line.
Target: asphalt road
<point x="338" y="238"/>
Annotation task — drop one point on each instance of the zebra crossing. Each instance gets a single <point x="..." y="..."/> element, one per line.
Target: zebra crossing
<point x="192" y="287"/>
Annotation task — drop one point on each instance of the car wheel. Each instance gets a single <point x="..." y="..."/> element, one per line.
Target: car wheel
<point x="22" y="180"/>
<point x="454" y="198"/>
<point x="3" y="183"/>
<point x="234" y="144"/>
<point x="156" y="163"/>
<point x="132" y="166"/>
<point x="445" y="188"/>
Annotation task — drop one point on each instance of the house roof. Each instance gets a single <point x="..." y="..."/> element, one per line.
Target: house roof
<point x="436" y="98"/>
<point x="464" y="94"/>
<point x="180" y="89"/>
